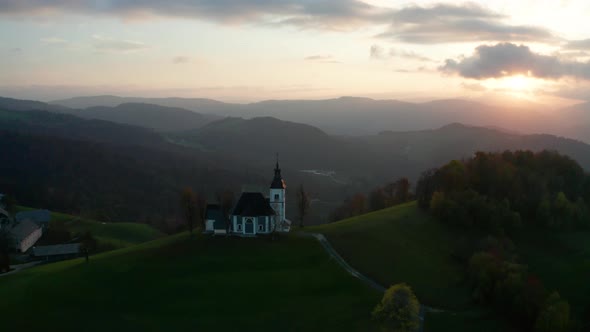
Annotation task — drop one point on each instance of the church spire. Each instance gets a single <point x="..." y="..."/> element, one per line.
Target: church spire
<point x="277" y="181"/>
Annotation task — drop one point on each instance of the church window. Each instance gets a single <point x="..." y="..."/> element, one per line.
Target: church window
<point x="239" y="227"/>
<point x="276" y="197"/>
<point x="261" y="228"/>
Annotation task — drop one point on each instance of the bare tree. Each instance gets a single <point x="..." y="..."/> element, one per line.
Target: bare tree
<point x="302" y="204"/>
<point x="226" y="201"/>
<point x="188" y="204"/>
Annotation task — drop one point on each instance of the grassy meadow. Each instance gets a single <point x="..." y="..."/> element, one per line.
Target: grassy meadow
<point x="196" y="284"/>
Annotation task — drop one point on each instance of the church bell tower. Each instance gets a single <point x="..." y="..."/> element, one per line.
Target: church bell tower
<point x="277" y="196"/>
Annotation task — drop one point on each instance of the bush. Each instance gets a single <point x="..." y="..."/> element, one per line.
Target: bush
<point x="399" y="310"/>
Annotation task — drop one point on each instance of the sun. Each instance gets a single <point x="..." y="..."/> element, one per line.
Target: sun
<point x="518" y="83"/>
<point x="520" y="86"/>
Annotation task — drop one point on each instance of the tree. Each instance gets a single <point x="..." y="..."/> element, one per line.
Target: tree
<point x="399" y="310"/>
<point x="188" y="204"/>
<point x="9" y="204"/>
<point x="302" y="204"/>
<point x="226" y="201"/>
<point x="5" y="246"/>
<point x="555" y="315"/>
<point x="402" y="191"/>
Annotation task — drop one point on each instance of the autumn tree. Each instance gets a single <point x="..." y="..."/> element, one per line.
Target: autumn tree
<point x="399" y="309"/>
<point x="555" y="315"/>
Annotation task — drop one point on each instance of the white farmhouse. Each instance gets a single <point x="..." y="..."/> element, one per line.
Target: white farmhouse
<point x="25" y="234"/>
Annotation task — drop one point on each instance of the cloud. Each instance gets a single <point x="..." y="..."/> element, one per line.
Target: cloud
<point x="444" y="23"/>
<point x="181" y="59"/>
<point x="506" y="59"/>
<point x="116" y="45"/>
<point x="583" y="44"/>
<point x="380" y="53"/>
<point x="473" y="87"/>
<point x="321" y="58"/>
<point x="54" y="41"/>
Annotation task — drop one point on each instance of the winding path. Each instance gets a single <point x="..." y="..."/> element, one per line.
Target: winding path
<point x="334" y="254"/>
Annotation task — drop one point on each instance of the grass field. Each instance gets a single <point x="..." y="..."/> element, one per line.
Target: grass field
<point x="402" y="244"/>
<point x="200" y="284"/>
<point x="109" y="235"/>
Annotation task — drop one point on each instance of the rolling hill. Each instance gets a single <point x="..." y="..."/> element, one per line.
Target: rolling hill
<point x="404" y="244"/>
<point x="159" y="118"/>
<point x="365" y="116"/>
<point x="206" y="284"/>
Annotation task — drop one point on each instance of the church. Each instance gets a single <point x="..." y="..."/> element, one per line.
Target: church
<point x="254" y="213"/>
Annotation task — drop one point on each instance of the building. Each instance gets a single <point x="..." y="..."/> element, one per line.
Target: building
<point x="40" y="217"/>
<point x="57" y="252"/>
<point x="215" y="223"/>
<point x="25" y="234"/>
<point x="254" y="214"/>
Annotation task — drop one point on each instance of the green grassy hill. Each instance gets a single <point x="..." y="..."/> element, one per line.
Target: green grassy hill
<point x="200" y="284"/>
<point x="404" y="244"/>
<point x="114" y="235"/>
<point x="108" y="235"/>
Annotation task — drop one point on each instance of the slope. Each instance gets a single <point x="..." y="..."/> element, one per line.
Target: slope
<point x="403" y="244"/>
<point x="203" y="283"/>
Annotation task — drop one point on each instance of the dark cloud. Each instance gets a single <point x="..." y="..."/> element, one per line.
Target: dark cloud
<point x="115" y="45"/>
<point x="507" y="59"/>
<point x="304" y="13"/>
<point x="444" y="23"/>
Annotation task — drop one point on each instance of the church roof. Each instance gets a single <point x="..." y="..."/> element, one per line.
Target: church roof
<point x="253" y="205"/>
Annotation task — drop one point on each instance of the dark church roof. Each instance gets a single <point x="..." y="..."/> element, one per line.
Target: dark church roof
<point x="253" y="205"/>
<point x="277" y="181"/>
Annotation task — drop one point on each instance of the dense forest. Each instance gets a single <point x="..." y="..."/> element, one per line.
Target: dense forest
<point x="105" y="182"/>
<point x="495" y="197"/>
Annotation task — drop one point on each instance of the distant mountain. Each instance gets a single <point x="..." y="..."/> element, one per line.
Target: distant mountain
<point x="159" y="118"/>
<point x="9" y="104"/>
<point x="72" y="127"/>
<point x="362" y="116"/>
<point x="258" y="140"/>
<point x="365" y="159"/>
<point x="193" y="104"/>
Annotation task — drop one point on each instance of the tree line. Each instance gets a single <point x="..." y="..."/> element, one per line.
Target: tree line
<point x="389" y="195"/>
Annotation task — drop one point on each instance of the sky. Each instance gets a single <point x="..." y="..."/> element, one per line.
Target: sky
<point x="250" y="50"/>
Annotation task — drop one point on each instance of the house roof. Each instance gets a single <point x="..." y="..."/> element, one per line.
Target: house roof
<point x="58" y="249"/>
<point x="38" y="216"/>
<point x="23" y="229"/>
<point x="252" y="205"/>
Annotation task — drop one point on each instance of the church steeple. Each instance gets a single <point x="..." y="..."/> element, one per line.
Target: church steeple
<point x="277" y="181"/>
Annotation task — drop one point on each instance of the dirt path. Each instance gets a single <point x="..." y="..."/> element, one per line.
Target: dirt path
<point x="334" y="254"/>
